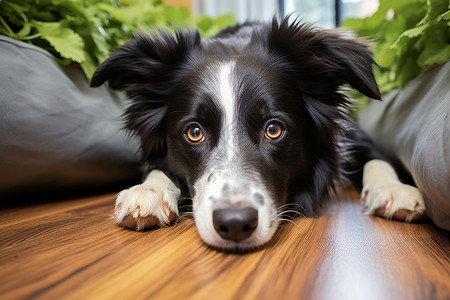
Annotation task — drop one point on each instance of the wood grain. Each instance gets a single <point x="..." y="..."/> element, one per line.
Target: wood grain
<point x="72" y="250"/>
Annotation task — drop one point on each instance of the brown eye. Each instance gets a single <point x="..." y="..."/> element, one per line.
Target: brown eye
<point x="195" y="134"/>
<point x="273" y="131"/>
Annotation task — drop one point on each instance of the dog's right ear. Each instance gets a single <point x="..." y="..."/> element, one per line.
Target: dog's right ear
<point x="146" y="60"/>
<point x="147" y="69"/>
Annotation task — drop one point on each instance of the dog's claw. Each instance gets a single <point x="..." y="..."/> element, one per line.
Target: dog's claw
<point x="153" y="203"/>
<point x="394" y="201"/>
<point x="388" y="204"/>
<point x="385" y="196"/>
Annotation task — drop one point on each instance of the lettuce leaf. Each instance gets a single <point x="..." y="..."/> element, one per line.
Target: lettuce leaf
<point x="407" y="37"/>
<point x="87" y="31"/>
<point x="64" y="40"/>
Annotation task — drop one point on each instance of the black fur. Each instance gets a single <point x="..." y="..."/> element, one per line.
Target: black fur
<point x="284" y="67"/>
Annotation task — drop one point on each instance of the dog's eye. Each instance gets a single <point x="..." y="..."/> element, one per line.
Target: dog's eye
<point x="273" y="131"/>
<point x="195" y="134"/>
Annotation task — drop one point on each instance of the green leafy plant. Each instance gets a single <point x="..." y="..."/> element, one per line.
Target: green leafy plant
<point x="407" y="36"/>
<point x="87" y="31"/>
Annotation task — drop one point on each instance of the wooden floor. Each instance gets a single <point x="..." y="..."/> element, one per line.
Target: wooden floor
<point x="72" y="250"/>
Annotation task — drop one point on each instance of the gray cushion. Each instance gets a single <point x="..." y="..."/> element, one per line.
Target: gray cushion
<point x="55" y="131"/>
<point x="414" y="125"/>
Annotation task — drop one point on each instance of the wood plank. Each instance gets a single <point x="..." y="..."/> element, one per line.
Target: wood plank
<point x="9" y="216"/>
<point x="73" y="250"/>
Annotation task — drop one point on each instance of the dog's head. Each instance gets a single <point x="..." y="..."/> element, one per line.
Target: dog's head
<point x="249" y="119"/>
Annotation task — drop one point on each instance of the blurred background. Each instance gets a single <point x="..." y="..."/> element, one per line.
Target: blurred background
<point x="325" y="13"/>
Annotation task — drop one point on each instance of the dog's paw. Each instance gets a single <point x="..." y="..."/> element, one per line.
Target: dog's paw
<point x="153" y="203"/>
<point x="393" y="200"/>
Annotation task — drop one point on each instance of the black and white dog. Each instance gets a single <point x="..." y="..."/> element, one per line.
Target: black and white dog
<point x="245" y="123"/>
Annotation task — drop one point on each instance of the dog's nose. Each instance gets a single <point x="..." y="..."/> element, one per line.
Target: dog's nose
<point x="235" y="224"/>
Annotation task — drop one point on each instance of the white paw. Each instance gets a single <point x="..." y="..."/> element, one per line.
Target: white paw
<point x="149" y="204"/>
<point x="393" y="200"/>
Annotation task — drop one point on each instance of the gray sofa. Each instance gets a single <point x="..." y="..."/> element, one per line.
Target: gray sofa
<point x="414" y="125"/>
<point x="55" y="131"/>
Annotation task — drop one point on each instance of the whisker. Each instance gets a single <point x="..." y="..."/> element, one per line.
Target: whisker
<point x="184" y="217"/>
<point x="290" y="204"/>
<point x="295" y="212"/>
<point x="291" y="208"/>
<point x="288" y="220"/>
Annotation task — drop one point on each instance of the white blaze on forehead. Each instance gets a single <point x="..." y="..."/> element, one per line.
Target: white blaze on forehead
<point x="226" y="91"/>
<point x="228" y="102"/>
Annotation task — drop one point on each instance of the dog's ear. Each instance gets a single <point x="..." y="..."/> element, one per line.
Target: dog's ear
<point x="320" y="56"/>
<point x="147" y="69"/>
<point x="318" y="61"/>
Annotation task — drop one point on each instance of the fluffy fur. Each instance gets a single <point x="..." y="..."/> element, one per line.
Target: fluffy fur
<point x="233" y="91"/>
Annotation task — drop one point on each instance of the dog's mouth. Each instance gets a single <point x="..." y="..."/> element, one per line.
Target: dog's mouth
<point x="235" y="231"/>
<point x="241" y="217"/>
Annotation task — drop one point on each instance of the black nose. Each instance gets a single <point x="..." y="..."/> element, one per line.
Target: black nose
<point x="235" y="224"/>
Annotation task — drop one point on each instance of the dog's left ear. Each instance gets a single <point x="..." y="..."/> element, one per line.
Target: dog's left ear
<point x="147" y="70"/>
<point x="320" y="56"/>
<point x="147" y="63"/>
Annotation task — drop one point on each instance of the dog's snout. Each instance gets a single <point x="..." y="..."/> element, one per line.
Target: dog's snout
<point x="235" y="223"/>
